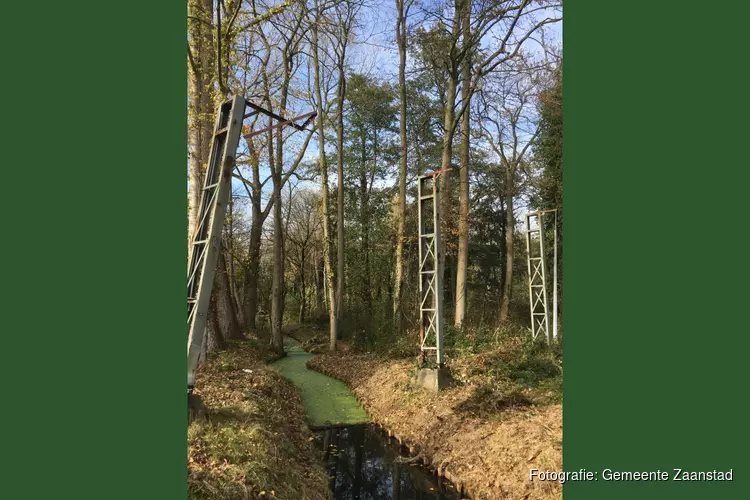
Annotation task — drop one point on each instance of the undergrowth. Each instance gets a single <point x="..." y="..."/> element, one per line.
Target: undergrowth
<point x="255" y="443"/>
<point x="506" y="368"/>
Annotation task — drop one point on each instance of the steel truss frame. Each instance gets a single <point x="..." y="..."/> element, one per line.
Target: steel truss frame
<point x="431" y="265"/>
<point x="206" y="241"/>
<point x="537" y="269"/>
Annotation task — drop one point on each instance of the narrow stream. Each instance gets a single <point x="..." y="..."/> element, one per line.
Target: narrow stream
<point x="362" y="460"/>
<point x="362" y="465"/>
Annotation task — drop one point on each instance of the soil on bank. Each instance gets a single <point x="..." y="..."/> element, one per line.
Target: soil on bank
<point x="487" y="442"/>
<point x="256" y="443"/>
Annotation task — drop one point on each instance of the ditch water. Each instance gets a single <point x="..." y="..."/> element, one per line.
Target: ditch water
<point x="362" y="463"/>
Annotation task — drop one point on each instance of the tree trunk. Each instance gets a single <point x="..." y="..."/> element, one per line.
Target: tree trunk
<point x="199" y="98"/>
<point x="509" y="234"/>
<point x="251" y="273"/>
<point x="259" y="215"/>
<point x="233" y="289"/>
<point x="200" y="128"/>
<point x="463" y="188"/>
<point x="398" y="316"/>
<point x="502" y="242"/>
<point x="277" y="277"/>
<point x="444" y="206"/>
<point x="214" y="339"/>
<point x="324" y="184"/>
<point x="194" y="159"/>
<point x="324" y="279"/>
<point x="447" y="154"/>
<point x="315" y="306"/>
<point x="303" y="291"/>
<point x="340" y="193"/>
<point x="366" y="286"/>
<point x="230" y="327"/>
<point x="277" y="292"/>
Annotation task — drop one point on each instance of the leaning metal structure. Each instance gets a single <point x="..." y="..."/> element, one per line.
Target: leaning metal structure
<point x="206" y="241"/>
<point x="430" y="267"/>
<point x="535" y="259"/>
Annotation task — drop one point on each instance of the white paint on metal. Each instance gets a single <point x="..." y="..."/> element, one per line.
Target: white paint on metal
<point x="537" y="269"/>
<point x="430" y="268"/>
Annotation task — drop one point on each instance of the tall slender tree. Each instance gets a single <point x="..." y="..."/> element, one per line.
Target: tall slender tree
<point x="402" y="7"/>
<point x="344" y="21"/>
<point x="321" y="121"/>
<point x="510" y="127"/>
<point x="462" y="262"/>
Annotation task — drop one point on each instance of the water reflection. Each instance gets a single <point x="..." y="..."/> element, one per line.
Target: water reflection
<point x="362" y="465"/>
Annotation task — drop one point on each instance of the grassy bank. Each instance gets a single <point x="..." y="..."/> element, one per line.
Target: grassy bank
<point x="502" y="417"/>
<point x="256" y="443"/>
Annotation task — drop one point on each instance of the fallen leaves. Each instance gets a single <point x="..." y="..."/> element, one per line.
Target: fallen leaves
<point x="256" y="437"/>
<point x="487" y="454"/>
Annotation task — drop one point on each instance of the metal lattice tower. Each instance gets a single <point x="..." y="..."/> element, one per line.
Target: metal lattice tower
<point x="430" y="268"/>
<point x="535" y="258"/>
<point x="206" y="245"/>
<point x="206" y="242"/>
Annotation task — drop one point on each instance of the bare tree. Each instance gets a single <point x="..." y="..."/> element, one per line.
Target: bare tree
<point x="201" y="79"/>
<point x="304" y="225"/>
<point x="213" y="29"/>
<point x="463" y="205"/>
<point x="288" y="54"/>
<point x="275" y="59"/>
<point x="506" y="26"/>
<point x="510" y="127"/>
<point x="254" y="188"/>
<point x="327" y="237"/>
<point x="200" y="64"/>
<point x="403" y="7"/>
<point x="255" y="184"/>
<point x="230" y="326"/>
<point x="341" y="31"/>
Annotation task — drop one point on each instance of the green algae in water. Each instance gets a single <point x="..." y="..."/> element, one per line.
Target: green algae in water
<point x="327" y="401"/>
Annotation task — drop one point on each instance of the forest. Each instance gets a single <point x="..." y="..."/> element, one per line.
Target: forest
<point x="320" y="242"/>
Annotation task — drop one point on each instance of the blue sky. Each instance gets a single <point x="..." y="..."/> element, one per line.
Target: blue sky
<point x="375" y="53"/>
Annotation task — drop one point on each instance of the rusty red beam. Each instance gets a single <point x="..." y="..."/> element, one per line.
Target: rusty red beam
<point x="437" y="172"/>
<point x="542" y="212"/>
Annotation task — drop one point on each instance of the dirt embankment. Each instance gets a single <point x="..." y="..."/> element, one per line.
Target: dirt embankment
<point x="489" y="454"/>
<point x="256" y="443"/>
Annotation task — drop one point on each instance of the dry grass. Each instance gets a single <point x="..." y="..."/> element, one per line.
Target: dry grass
<point x="256" y="443"/>
<point x="503" y="417"/>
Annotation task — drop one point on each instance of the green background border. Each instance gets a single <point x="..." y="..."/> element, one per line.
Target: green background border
<point x="94" y="260"/>
<point x="655" y="193"/>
